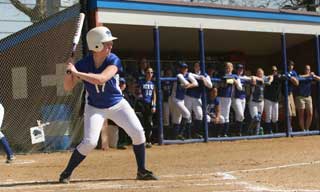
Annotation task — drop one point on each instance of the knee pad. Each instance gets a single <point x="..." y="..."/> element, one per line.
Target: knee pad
<point x="86" y="146"/>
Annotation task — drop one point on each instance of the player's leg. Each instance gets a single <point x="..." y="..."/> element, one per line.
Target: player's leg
<point x="275" y="116"/>
<point x="225" y="111"/>
<point x="237" y="106"/>
<point x="188" y="103"/>
<point x="268" y="115"/>
<point x="124" y="116"/>
<point x="3" y="140"/>
<point x="93" y="123"/>
<point x="301" y="109"/>
<point x="309" y="112"/>
<point x="176" y="118"/>
<point x="254" y="124"/>
<point x="197" y="123"/>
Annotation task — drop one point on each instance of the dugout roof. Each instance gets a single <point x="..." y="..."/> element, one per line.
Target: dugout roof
<point x="228" y="26"/>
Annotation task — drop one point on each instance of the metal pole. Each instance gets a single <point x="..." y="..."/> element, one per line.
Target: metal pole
<point x="204" y="93"/>
<point x="318" y="72"/>
<point x="158" y="78"/>
<point x="285" y="66"/>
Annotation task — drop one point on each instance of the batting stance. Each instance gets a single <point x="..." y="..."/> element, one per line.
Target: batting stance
<point x="225" y="92"/>
<point x="193" y="100"/>
<point x="3" y="139"/>
<point x="180" y="114"/>
<point x="99" y="72"/>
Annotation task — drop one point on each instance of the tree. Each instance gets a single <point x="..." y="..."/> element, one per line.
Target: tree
<point x="40" y="11"/>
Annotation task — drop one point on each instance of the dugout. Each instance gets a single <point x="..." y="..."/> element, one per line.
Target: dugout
<point x="169" y="31"/>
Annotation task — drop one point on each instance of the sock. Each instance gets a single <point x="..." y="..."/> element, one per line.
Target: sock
<point x="6" y="147"/>
<point x="225" y="129"/>
<point x="75" y="160"/>
<point x="275" y="127"/>
<point x="269" y="127"/>
<point x="140" y="153"/>
<point x="188" y="129"/>
<point x="239" y="126"/>
<point x="175" y="130"/>
<point x="183" y="126"/>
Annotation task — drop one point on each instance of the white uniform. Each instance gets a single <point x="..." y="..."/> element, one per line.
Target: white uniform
<point x="179" y="109"/>
<point x="106" y="102"/>
<point x="239" y="99"/>
<point x="225" y="93"/>
<point x="193" y="96"/>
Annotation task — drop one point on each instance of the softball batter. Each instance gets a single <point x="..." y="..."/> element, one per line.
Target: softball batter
<point x="99" y="72"/>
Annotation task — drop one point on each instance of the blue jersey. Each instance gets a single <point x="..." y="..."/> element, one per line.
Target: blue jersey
<point x="108" y="94"/>
<point x="242" y="93"/>
<point x="304" y="88"/>
<point x="147" y="88"/>
<point x="180" y="91"/>
<point x="166" y="90"/>
<point x="226" y="89"/>
<point x="212" y="103"/>
<point x="195" y="92"/>
<point x="292" y="73"/>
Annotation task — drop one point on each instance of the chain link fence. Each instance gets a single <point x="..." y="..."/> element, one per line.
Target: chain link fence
<point x="32" y="71"/>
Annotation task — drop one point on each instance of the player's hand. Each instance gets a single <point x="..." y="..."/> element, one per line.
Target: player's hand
<point x="71" y="68"/>
<point x="153" y="110"/>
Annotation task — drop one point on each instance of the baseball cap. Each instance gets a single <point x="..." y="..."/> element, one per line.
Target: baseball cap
<point x="122" y="80"/>
<point x="240" y="66"/>
<point x="183" y="65"/>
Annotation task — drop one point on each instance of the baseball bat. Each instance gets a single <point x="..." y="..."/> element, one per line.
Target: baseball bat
<point x="76" y="37"/>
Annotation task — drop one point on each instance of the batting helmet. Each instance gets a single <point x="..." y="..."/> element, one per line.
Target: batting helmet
<point x="97" y="36"/>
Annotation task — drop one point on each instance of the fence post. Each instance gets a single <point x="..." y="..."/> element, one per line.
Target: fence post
<point x="204" y="93"/>
<point x="156" y="39"/>
<point x="285" y="67"/>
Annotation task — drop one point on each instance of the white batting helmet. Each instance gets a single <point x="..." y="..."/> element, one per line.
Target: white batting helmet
<point x="97" y="36"/>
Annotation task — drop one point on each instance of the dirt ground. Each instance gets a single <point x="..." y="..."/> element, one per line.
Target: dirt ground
<point x="285" y="164"/>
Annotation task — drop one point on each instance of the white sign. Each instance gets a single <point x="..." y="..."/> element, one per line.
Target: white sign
<point x="37" y="134"/>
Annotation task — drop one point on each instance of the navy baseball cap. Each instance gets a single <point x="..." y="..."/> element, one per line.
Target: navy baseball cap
<point x="183" y="65"/>
<point x="122" y="80"/>
<point x="240" y="66"/>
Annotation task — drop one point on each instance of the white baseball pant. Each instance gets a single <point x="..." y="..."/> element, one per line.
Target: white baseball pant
<point x="239" y="105"/>
<point x="255" y="107"/>
<point x="179" y="110"/>
<point x="225" y="103"/>
<point x="194" y="105"/>
<point x="122" y="114"/>
<point x="271" y="111"/>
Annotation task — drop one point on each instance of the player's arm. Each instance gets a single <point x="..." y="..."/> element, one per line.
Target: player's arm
<point x="193" y="81"/>
<point x="206" y="81"/>
<point x="316" y="77"/>
<point x="154" y="101"/>
<point x="294" y="81"/>
<point x="237" y="83"/>
<point x="97" y="79"/>
<point x="69" y="80"/>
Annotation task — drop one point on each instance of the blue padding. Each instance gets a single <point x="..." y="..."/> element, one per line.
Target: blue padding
<point x="55" y="113"/>
<point x="40" y="27"/>
<point x="57" y="142"/>
<point x="197" y="10"/>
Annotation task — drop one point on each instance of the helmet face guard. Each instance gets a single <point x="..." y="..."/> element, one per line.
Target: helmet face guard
<point x="97" y="36"/>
